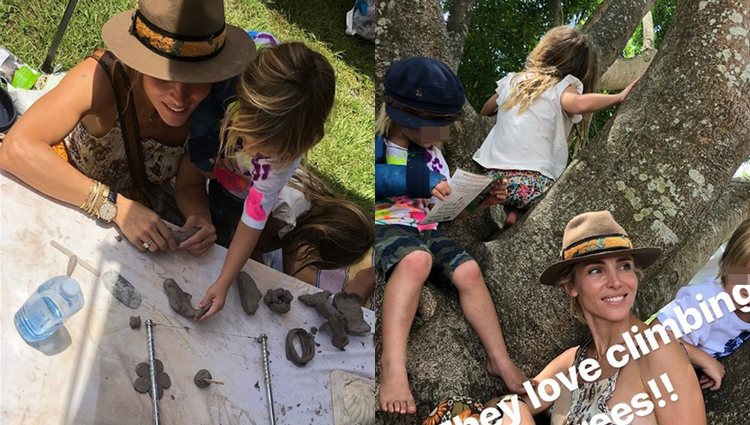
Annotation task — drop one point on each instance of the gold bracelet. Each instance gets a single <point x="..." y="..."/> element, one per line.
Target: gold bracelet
<point x="86" y="207"/>
<point x="100" y="200"/>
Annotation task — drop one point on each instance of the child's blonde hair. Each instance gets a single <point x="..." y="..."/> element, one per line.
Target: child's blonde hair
<point x="562" y="51"/>
<point x="383" y="122"/>
<point x="737" y="252"/>
<point x="284" y="98"/>
<point x="333" y="234"/>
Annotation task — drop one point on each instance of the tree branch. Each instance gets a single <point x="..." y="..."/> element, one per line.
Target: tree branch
<point x="556" y="11"/>
<point x="459" y="19"/>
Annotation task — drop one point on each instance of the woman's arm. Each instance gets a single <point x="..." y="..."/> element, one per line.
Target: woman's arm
<point x="192" y="200"/>
<point x="490" y="106"/>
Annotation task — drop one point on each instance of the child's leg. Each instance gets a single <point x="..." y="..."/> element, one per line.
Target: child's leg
<point x="399" y="307"/>
<point x="479" y="310"/>
<point x="399" y="250"/>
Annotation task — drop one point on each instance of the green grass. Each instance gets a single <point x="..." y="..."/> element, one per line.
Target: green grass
<point x="345" y="156"/>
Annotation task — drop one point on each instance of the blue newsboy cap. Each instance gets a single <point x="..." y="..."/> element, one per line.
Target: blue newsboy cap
<point x="422" y="92"/>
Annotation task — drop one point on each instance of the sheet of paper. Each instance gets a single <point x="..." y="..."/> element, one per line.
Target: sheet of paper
<point x="465" y="187"/>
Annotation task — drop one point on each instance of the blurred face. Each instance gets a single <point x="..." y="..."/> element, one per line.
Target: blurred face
<point x="605" y="287"/>
<point x="174" y="101"/>
<point x="739" y="277"/>
<point x="428" y="136"/>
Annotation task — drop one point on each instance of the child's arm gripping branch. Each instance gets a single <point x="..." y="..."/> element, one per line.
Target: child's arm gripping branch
<point x="490" y="107"/>
<point x="243" y="244"/>
<point x="713" y="370"/>
<point x="574" y="103"/>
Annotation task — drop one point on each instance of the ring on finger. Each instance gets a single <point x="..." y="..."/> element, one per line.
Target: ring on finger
<point x="145" y="245"/>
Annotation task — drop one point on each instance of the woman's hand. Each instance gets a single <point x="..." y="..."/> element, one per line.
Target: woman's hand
<point x="201" y="241"/>
<point x="713" y="374"/>
<point x="215" y="297"/>
<point x="143" y="227"/>
<point x="498" y="193"/>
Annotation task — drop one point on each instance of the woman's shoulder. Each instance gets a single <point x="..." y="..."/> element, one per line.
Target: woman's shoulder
<point x="662" y="357"/>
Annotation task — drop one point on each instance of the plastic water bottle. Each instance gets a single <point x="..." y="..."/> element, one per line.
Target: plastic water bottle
<point x="44" y="312"/>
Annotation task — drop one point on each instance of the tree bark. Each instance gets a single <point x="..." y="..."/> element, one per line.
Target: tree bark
<point x="556" y="12"/>
<point x="459" y="18"/>
<point x="662" y="165"/>
<point x="625" y="70"/>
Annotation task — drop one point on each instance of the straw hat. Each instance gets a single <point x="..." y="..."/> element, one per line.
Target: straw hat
<point x="594" y="235"/>
<point x="179" y="40"/>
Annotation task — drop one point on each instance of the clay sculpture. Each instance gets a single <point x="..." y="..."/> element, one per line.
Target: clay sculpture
<point x="307" y="343"/>
<point x="181" y="237"/>
<point x="249" y="293"/>
<point x="335" y="319"/>
<point x="278" y="300"/>
<point x="179" y="300"/>
<point x="202" y="378"/>
<point x="353" y="398"/>
<point x="135" y="322"/>
<point x="121" y="289"/>
<point x="143" y="383"/>
<point x="349" y="305"/>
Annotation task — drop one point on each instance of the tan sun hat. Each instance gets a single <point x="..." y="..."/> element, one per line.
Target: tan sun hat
<point x="179" y="40"/>
<point x="595" y="235"/>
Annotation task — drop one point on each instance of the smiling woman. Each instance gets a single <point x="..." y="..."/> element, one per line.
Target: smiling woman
<point x="124" y="117"/>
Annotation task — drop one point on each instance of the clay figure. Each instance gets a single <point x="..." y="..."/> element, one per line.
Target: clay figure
<point x="249" y="293"/>
<point x="350" y="306"/>
<point x="307" y="342"/>
<point x="335" y="319"/>
<point x="201" y="378"/>
<point x="135" y="322"/>
<point x="121" y="289"/>
<point x="143" y="383"/>
<point x="278" y="300"/>
<point x="181" y="237"/>
<point x="179" y="300"/>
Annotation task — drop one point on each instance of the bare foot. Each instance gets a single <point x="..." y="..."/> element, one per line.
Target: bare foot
<point x="395" y="396"/>
<point x="512" y="375"/>
<point x="511" y="218"/>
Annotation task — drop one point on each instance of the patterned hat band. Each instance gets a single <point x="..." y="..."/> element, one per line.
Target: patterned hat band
<point x="427" y="115"/>
<point x="595" y="245"/>
<point x="176" y="46"/>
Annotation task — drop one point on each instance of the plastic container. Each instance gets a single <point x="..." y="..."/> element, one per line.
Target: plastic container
<point x="25" y="77"/>
<point x="8" y="64"/>
<point x="46" y="309"/>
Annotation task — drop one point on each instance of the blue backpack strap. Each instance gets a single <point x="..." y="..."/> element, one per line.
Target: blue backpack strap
<point x="417" y="173"/>
<point x="379" y="149"/>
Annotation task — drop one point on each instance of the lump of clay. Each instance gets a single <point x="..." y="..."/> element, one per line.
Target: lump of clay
<point x="249" y="293"/>
<point x="143" y="383"/>
<point x="181" y="237"/>
<point x="179" y="300"/>
<point x="278" y="300"/>
<point x="201" y="378"/>
<point x="349" y="305"/>
<point x="135" y="322"/>
<point x="121" y="289"/>
<point x="307" y="343"/>
<point x="335" y="319"/>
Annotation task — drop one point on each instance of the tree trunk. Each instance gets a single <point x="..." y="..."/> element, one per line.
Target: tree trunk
<point x="458" y="25"/>
<point x="625" y="70"/>
<point x="662" y="165"/>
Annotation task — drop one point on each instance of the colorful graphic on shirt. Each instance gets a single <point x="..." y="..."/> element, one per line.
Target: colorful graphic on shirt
<point x="733" y="344"/>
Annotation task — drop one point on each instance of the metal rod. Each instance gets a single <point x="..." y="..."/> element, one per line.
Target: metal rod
<point x="152" y="370"/>
<point x="267" y="376"/>
<point x="52" y="52"/>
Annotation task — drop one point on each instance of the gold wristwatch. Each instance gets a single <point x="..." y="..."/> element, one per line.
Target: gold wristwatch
<point x="108" y="209"/>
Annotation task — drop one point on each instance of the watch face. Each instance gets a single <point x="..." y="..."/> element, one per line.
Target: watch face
<point x="107" y="211"/>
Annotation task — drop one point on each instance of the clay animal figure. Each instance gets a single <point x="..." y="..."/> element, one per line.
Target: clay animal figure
<point x="278" y="300"/>
<point x="335" y="319"/>
<point x="179" y="300"/>
<point x="350" y="306"/>
<point x="249" y="293"/>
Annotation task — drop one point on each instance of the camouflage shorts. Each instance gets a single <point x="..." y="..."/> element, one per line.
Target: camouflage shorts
<point x="394" y="242"/>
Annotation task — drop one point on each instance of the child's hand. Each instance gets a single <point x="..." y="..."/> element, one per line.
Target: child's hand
<point x="202" y="240"/>
<point x="626" y="91"/>
<point x="713" y="374"/>
<point x="215" y="297"/>
<point x="498" y="193"/>
<point x="441" y="190"/>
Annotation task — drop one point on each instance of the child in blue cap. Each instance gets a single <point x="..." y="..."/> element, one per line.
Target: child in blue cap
<point x="422" y="98"/>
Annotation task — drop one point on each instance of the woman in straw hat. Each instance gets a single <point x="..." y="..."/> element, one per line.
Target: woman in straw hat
<point x="599" y="270"/>
<point x="123" y="115"/>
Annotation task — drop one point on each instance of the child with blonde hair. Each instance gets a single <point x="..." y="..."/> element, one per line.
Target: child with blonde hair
<point x="723" y="336"/>
<point x="536" y="110"/>
<point x="284" y="98"/>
